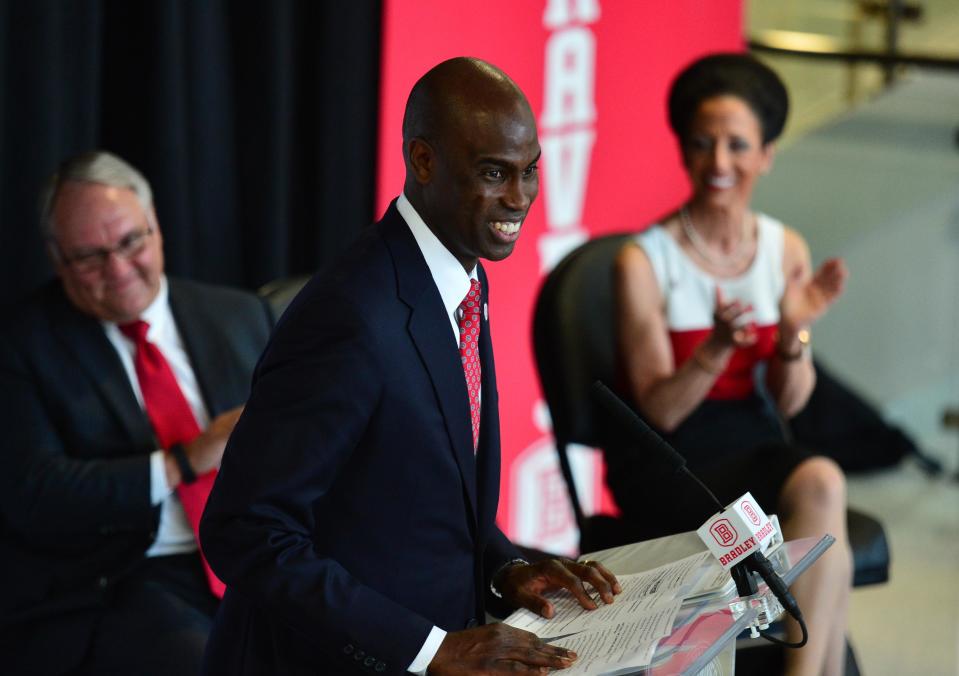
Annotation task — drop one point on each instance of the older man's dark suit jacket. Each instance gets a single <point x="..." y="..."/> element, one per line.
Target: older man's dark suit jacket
<point x="350" y="514"/>
<point x="75" y="510"/>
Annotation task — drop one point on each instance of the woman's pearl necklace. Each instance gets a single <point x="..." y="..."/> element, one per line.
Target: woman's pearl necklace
<point x="731" y="260"/>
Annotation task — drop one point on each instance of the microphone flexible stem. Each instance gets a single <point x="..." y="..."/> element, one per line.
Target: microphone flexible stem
<point x="695" y="478"/>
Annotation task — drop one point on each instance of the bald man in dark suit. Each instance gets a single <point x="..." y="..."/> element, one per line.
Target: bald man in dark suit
<point x="353" y="519"/>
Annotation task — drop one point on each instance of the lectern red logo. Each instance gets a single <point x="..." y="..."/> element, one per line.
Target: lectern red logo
<point x="724" y="533"/>
<point x="748" y="510"/>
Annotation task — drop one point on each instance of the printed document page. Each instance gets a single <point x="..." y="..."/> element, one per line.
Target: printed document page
<point x="641" y="593"/>
<point x="624" y="633"/>
<point x="625" y="645"/>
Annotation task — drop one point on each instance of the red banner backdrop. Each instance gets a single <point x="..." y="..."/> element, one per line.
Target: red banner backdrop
<point x="596" y="74"/>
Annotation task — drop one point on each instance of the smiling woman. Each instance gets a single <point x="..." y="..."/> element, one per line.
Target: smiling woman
<point x="707" y="296"/>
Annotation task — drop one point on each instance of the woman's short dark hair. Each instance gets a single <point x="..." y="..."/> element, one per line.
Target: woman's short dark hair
<point x="739" y="75"/>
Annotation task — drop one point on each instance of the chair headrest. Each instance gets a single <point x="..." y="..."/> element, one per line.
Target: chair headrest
<point x="574" y="337"/>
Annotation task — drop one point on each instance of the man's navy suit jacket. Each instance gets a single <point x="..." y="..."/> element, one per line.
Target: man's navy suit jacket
<point x="75" y="510"/>
<point x="350" y="514"/>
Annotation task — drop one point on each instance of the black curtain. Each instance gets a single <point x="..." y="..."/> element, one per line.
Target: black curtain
<point x="254" y="121"/>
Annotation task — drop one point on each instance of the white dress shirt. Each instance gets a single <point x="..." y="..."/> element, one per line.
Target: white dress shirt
<point x="448" y="274"/>
<point x="174" y="534"/>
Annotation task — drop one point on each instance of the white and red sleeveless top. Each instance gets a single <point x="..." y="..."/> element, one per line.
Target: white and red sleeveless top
<point x="690" y="300"/>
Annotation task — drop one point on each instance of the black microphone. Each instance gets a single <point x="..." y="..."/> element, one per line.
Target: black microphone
<point x="638" y="430"/>
<point x="755" y="562"/>
<point x="644" y="435"/>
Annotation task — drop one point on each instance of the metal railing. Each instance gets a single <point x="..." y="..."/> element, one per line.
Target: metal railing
<point x="825" y="47"/>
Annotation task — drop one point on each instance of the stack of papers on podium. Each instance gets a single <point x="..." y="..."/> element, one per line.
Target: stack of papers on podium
<point x="621" y="636"/>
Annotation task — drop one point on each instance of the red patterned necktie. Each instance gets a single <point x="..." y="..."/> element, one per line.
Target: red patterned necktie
<point x="173" y="423"/>
<point x="469" y="324"/>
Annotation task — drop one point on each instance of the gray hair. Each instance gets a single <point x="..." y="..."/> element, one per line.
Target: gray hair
<point x="97" y="166"/>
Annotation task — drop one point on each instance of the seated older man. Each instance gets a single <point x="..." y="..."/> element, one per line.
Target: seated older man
<point x="118" y="390"/>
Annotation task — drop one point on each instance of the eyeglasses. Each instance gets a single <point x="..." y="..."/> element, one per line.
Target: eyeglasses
<point x="92" y="260"/>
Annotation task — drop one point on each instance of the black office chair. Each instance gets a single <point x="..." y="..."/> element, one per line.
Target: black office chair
<point x="279" y="293"/>
<point x="574" y="344"/>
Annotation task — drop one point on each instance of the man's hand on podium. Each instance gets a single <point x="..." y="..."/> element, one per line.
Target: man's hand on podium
<point x="497" y="649"/>
<point x="524" y="586"/>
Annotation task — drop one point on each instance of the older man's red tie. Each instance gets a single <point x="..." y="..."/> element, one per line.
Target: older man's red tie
<point x="173" y="423"/>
